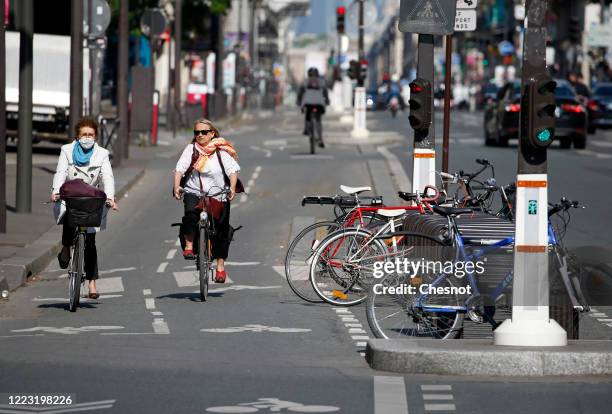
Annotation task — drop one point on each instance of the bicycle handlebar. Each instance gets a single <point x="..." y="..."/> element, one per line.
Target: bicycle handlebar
<point x="564" y="205"/>
<point x="343" y="201"/>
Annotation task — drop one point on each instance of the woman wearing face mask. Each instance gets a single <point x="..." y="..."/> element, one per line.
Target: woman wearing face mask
<point x="84" y="159"/>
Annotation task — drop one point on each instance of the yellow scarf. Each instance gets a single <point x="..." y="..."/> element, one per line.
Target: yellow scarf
<point x="209" y="149"/>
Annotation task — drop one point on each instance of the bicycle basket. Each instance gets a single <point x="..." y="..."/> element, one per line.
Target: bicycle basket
<point x="84" y="211"/>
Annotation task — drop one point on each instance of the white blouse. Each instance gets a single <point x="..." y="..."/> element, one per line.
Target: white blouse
<point x="211" y="177"/>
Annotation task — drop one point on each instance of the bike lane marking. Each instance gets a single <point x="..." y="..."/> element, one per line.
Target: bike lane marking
<point x="171" y="254"/>
<point x="432" y="401"/>
<point x="162" y="267"/>
<point x="390" y="395"/>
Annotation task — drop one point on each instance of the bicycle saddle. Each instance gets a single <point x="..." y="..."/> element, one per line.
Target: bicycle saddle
<point x="354" y="190"/>
<point x="390" y="213"/>
<point x="451" y="211"/>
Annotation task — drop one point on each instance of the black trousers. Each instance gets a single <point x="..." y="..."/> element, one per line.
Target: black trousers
<point x="220" y="241"/>
<point x="91" y="253"/>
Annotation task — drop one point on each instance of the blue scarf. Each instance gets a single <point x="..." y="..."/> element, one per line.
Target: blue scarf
<point x="80" y="156"/>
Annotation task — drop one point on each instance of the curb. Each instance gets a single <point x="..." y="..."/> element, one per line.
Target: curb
<point x="482" y="358"/>
<point x="35" y="257"/>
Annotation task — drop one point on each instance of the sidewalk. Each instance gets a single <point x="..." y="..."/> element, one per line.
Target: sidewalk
<point x="33" y="240"/>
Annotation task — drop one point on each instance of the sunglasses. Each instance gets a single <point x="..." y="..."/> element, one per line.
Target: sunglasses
<point x="197" y="132"/>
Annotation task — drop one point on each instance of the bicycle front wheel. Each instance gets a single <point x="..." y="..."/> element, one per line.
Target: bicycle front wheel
<point x="299" y="257"/>
<point x="204" y="263"/>
<point x="400" y="305"/>
<point x="76" y="272"/>
<point x="343" y="266"/>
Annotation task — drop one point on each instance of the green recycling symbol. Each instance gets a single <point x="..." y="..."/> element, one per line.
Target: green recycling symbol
<point x="532" y="207"/>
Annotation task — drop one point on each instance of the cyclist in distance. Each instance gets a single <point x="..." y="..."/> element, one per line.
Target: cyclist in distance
<point x="313" y="94"/>
<point x="200" y="167"/>
<point x="84" y="159"/>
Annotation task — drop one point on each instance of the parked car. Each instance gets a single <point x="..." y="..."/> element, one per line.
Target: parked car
<point x="600" y="107"/>
<point x="501" y="118"/>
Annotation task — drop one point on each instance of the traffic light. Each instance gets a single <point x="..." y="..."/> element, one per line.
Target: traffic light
<point x="340" y="15"/>
<point x="573" y="32"/>
<point x="420" y="104"/>
<point x="540" y="111"/>
<point x="353" y="71"/>
<point x="363" y="69"/>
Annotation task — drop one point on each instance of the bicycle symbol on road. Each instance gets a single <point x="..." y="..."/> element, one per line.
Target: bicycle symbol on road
<point x="273" y="405"/>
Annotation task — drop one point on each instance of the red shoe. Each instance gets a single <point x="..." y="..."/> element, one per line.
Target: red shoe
<point x="220" y="276"/>
<point x="188" y="254"/>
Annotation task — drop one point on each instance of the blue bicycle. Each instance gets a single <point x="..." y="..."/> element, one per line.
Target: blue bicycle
<point x="431" y="292"/>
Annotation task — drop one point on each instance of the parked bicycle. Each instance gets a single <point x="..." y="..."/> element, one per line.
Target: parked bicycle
<point x="395" y="310"/>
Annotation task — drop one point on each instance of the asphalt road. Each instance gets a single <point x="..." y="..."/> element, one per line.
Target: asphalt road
<point x="149" y="345"/>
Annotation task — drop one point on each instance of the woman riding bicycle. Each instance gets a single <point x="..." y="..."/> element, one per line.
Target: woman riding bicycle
<point x="200" y="167"/>
<point x="84" y="159"/>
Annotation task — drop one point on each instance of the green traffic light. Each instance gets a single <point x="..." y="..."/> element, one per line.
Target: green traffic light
<point x="543" y="135"/>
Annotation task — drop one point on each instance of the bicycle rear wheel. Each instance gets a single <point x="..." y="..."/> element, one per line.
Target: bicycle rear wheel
<point x="76" y="272"/>
<point x="343" y="265"/>
<point x="204" y="263"/>
<point x="312" y="137"/>
<point x="394" y="311"/>
<point x="299" y="256"/>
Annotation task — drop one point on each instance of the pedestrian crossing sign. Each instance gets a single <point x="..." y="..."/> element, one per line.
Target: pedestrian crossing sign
<point x="532" y="207"/>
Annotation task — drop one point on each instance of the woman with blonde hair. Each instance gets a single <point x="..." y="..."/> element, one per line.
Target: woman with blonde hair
<point x="203" y="167"/>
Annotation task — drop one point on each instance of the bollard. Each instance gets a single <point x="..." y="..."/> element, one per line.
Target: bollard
<point x="359" y="125"/>
<point x="155" y="117"/>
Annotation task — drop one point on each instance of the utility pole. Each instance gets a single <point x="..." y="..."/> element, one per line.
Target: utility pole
<point x="220" y="103"/>
<point x="76" y="63"/>
<point x="530" y="324"/>
<point x="2" y="121"/>
<point x="178" y="31"/>
<point x="123" y="137"/>
<point x="447" y="97"/>
<point x="169" y="99"/>
<point x="24" y="143"/>
<point x="252" y="52"/>
<point x="237" y="48"/>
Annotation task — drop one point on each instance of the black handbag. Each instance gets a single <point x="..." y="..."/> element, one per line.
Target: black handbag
<point x="239" y="185"/>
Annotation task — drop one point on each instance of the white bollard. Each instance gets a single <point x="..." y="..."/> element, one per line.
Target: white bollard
<point x="359" y="125"/>
<point x="530" y="324"/>
<point x="424" y="169"/>
<point x="337" y="98"/>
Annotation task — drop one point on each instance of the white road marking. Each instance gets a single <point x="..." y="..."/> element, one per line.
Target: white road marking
<point x="146" y="292"/>
<point x="353" y="325"/>
<point x="266" y="151"/>
<point x="593" y="153"/>
<point x="162" y="267"/>
<point x="250" y="183"/>
<point x="602" y="144"/>
<point x="242" y="263"/>
<point x="312" y="157"/>
<point x="171" y="254"/>
<point x="390" y="395"/>
<point x="110" y="285"/>
<point x="342" y="310"/>
<point x="255" y="328"/>
<point x="399" y="174"/>
<point x="242" y="287"/>
<point x="68" y="330"/>
<point x="280" y="270"/>
<point x="352" y="320"/>
<point x="160" y="327"/>
<point x="437" y="396"/>
<point x="361" y="344"/>
<point x="150" y="303"/>
<point x="604" y="320"/>
<point x="360" y="337"/>
<point x="356" y="331"/>
<point x="157" y="313"/>
<point x="19" y="336"/>
<point x="90" y="406"/>
<point x="440" y="407"/>
<point x="85" y="299"/>
<point x="599" y="315"/>
<point x="275" y="142"/>
<point x="436" y="387"/>
<point x="124" y="269"/>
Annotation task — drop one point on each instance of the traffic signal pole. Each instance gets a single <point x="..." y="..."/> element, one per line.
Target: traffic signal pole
<point x="424" y="154"/>
<point x="530" y="324"/>
<point x="2" y="122"/>
<point x="359" y="126"/>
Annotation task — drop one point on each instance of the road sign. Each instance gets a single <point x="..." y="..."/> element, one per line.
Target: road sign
<point x="101" y="17"/>
<point x="505" y="48"/>
<point x="467" y="4"/>
<point x="435" y="17"/>
<point x="599" y="36"/>
<point x="153" y="23"/>
<point x="465" y="20"/>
